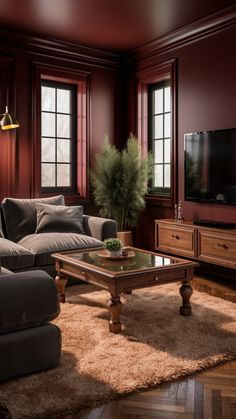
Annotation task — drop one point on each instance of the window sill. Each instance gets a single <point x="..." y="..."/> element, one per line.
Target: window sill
<point x="158" y="201"/>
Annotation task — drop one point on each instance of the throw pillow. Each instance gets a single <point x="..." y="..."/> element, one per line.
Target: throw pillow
<point x="59" y="218"/>
<point x="20" y="215"/>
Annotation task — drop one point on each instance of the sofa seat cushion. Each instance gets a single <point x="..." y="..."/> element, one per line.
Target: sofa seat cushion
<point x="14" y="256"/>
<point x="4" y="271"/>
<point x="44" y="244"/>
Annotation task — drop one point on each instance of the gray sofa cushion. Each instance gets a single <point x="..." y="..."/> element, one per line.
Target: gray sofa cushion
<point x="43" y="245"/>
<point x="59" y="218"/>
<point x="14" y="256"/>
<point x="27" y="299"/>
<point x="20" y="215"/>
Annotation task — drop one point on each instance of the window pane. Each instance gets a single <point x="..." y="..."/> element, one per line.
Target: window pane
<point x="48" y="125"/>
<point x="158" y="101"/>
<point x="167" y="175"/>
<point x="167" y="151"/>
<point x="63" y="151"/>
<point x="58" y="136"/>
<point x="158" y="176"/>
<point x="48" y="150"/>
<point x="63" y="175"/>
<point x="48" y="99"/>
<point x="158" y="131"/>
<point x="158" y="153"/>
<point x="167" y="125"/>
<point x="63" y="126"/>
<point x="63" y="100"/>
<point x="160" y="122"/>
<point x="167" y="99"/>
<point x="48" y="175"/>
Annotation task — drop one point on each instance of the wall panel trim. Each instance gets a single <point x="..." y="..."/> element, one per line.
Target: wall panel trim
<point x="195" y="31"/>
<point x="60" y="49"/>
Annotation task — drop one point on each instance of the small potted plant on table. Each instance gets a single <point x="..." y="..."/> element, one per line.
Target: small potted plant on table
<point x="113" y="247"/>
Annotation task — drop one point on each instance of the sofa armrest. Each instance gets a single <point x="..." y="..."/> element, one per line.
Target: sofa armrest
<point x="99" y="228"/>
<point x="27" y="299"/>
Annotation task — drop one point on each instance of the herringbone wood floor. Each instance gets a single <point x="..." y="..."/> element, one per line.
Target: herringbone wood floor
<point x="209" y="395"/>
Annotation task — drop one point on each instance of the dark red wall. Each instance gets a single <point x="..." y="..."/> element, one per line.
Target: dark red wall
<point x="18" y="55"/>
<point x="206" y="92"/>
<point x="206" y="97"/>
<point x="206" y="101"/>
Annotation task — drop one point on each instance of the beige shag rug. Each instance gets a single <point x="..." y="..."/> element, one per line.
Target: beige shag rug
<point x="156" y="345"/>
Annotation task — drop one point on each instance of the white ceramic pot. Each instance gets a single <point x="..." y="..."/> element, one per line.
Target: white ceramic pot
<point x="114" y="253"/>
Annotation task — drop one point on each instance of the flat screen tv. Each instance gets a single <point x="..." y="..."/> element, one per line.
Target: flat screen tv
<point x="210" y="166"/>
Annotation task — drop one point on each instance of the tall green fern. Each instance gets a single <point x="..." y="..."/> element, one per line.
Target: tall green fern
<point x="119" y="180"/>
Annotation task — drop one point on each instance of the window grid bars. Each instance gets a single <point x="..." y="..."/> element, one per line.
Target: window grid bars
<point x="55" y="162"/>
<point x="163" y="113"/>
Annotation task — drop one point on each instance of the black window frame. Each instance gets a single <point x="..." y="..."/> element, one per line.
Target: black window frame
<point x="73" y="158"/>
<point x="158" y="190"/>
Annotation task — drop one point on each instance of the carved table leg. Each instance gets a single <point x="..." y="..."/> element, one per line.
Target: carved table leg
<point x="185" y="292"/>
<point x="115" y="307"/>
<point x="61" y="281"/>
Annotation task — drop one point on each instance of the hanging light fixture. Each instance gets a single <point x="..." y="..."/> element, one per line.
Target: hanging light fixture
<point x="8" y="121"/>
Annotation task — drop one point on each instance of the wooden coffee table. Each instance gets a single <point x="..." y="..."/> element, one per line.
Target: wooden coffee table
<point x="138" y="269"/>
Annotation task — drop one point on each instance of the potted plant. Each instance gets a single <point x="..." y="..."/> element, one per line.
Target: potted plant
<point x="113" y="247"/>
<point x="119" y="180"/>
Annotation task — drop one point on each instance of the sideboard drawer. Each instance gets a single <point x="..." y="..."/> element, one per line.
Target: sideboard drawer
<point x="218" y="249"/>
<point x="179" y="240"/>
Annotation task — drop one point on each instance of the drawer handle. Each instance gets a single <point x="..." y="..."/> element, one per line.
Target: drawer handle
<point x="82" y="273"/>
<point x="175" y="236"/>
<point x="223" y="245"/>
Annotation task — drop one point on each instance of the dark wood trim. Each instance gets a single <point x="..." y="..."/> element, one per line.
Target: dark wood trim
<point x="59" y="49"/>
<point x="81" y="80"/>
<point x="193" y="32"/>
<point x="151" y="75"/>
<point x="9" y="138"/>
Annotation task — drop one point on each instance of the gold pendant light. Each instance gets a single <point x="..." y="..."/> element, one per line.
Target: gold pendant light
<point x="8" y="121"/>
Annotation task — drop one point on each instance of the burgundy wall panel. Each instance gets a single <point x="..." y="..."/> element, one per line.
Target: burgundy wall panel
<point x="206" y="101"/>
<point x="206" y="92"/>
<point x="16" y="155"/>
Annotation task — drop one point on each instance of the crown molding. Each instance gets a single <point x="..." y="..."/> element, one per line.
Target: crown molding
<point x="59" y="49"/>
<point x="193" y="32"/>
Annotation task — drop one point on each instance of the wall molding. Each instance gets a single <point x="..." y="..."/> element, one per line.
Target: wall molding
<point x="59" y="49"/>
<point x="9" y="138"/>
<point x="193" y="32"/>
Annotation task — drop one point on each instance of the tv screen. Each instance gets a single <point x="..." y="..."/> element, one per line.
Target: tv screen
<point x="210" y="166"/>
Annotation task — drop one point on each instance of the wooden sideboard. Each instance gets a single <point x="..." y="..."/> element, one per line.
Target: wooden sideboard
<point x="207" y="244"/>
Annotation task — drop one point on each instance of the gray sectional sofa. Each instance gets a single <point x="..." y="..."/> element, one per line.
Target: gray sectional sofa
<point x="32" y="229"/>
<point x="29" y="342"/>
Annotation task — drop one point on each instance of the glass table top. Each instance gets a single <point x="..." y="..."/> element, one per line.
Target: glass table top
<point x="136" y="260"/>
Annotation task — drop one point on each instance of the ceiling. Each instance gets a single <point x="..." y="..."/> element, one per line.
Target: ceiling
<point x="118" y="25"/>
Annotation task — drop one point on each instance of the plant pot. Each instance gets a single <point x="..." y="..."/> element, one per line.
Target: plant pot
<point x="125" y="237"/>
<point x="114" y="253"/>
